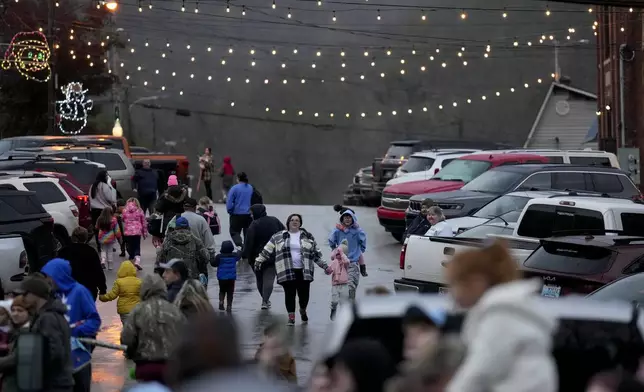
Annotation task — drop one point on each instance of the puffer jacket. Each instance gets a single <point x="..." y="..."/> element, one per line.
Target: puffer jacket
<point x="170" y="204"/>
<point x="107" y="237"/>
<point x="152" y="330"/>
<point x="181" y="244"/>
<point x="127" y="288"/>
<point x="134" y="222"/>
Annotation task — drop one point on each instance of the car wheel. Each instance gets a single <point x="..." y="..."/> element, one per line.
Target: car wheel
<point x="398" y="236"/>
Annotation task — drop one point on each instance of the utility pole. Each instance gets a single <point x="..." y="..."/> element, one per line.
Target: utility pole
<point x="51" y="84"/>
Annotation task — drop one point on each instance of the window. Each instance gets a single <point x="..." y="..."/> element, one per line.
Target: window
<point x="494" y="181"/>
<point x="567" y="258"/>
<point x="537" y="181"/>
<point x="531" y="161"/>
<point x="8" y="187"/>
<point x="5" y="145"/>
<point x="399" y="152"/>
<point x="46" y="192"/>
<point x="555" y="160"/>
<point x="445" y="162"/>
<point x="464" y="170"/>
<point x="83" y="173"/>
<point x="632" y="223"/>
<point x="569" y="180"/>
<point x="606" y="183"/>
<point x="627" y="289"/>
<point x="508" y="163"/>
<point x="484" y="231"/>
<point x="22" y="203"/>
<point x="635" y="267"/>
<point x="591" y="161"/>
<point x="502" y="205"/>
<point x="110" y="160"/>
<point x="417" y="164"/>
<point x="542" y="221"/>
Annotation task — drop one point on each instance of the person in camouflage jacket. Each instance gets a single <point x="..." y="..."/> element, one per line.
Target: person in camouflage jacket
<point x="181" y="244"/>
<point x="152" y="330"/>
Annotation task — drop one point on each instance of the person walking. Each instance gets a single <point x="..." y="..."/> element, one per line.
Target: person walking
<point x="295" y="252"/>
<point x="109" y="233"/>
<point x="356" y="238"/>
<point x="49" y="321"/>
<point x="440" y="228"/>
<point x="193" y="300"/>
<point x="101" y="196"/>
<point x="169" y="205"/>
<point x="135" y="228"/>
<point x="198" y="225"/>
<point x="226" y="264"/>
<point x="85" y="262"/>
<point x="206" y="169"/>
<point x="152" y="331"/>
<point x="175" y="274"/>
<point x="81" y="314"/>
<point x="420" y="225"/>
<point x="238" y="207"/>
<point x="339" y="276"/>
<point x="508" y="336"/>
<point x="146" y="184"/>
<point x="227" y="174"/>
<point x="127" y="288"/>
<point x="181" y="244"/>
<point x="259" y="233"/>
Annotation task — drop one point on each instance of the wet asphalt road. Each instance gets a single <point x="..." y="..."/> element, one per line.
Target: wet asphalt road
<point x="110" y="371"/>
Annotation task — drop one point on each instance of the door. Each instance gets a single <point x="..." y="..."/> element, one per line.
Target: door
<point x="55" y="201"/>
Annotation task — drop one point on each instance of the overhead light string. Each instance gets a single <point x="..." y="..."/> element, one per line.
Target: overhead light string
<point x="183" y="5"/>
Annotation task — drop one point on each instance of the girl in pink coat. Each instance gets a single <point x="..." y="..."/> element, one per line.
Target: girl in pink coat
<point x="339" y="276"/>
<point x="135" y="227"/>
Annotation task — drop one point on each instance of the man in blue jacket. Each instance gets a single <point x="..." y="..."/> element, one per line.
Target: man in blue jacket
<point x="146" y="184"/>
<point x="81" y="314"/>
<point x="238" y="206"/>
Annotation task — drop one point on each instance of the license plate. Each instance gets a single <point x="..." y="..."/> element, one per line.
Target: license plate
<point x="443" y="291"/>
<point x="399" y="287"/>
<point x="550" y="291"/>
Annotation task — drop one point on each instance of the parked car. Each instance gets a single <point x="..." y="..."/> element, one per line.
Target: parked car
<point x="395" y="198"/>
<point x="498" y="181"/>
<point x="83" y="171"/>
<point x="582" y="264"/>
<point x="361" y="192"/>
<point x="628" y="289"/>
<point x="79" y="197"/>
<point x="586" y="157"/>
<point x="51" y="195"/>
<point x="22" y="215"/>
<point x="591" y="336"/>
<point x="425" y="164"/>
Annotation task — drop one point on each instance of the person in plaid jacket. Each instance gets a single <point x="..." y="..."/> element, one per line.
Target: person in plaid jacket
<point x="294" y="253"/>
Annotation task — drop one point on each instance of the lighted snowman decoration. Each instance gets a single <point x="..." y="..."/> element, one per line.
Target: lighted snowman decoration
<point x="74" y="109"/>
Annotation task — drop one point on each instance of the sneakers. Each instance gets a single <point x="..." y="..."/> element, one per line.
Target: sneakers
<point x="221" y="306"/>
<point x="305" y="317"/>
<point x="137" y="263"/>
<point x="291" y="320"/>
<point x="266" y="305"/>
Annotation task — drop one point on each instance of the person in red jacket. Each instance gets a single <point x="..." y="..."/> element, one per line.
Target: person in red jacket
<point x="227" y="174"/>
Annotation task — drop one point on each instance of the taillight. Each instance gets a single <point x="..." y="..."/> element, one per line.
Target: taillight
<point x="403" y="251"/>
<point x="84" y="199"/>
<point x="436" y="170"/>
<point x="74" y="210"/>
<point x="22" y="261"/>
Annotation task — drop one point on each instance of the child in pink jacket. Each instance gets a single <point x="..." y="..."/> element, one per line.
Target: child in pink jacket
<point x="135" y="227"/>
<point x="339" y="276"/>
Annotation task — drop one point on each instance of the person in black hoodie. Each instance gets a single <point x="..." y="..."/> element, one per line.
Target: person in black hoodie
<point x="259" y="233"/>
<point x="420" y="224"/>
<point x="85" y="263"/>
<point x="146" y="183"/>
<point x="170" y="204"/>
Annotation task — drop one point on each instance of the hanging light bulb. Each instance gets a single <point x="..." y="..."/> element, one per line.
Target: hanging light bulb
<point x="230" y="50"/>
<point x="150" y="4"/>
<point x="590" y="10"/>
<point x="388" y="52"/>
<point x="373" y="63"/>
<point x="547" y="11"/>
<point x="334" y="18"/>
<point x="463" y="15"/>
<point x="378" y="17"/>
<point x="422" y="15"/>
<point x="274" y="51"/>
<point x="504" y="14"/>
<point x="343" y="65"/>
<point x="252" y="51"/>
<point x="516" y="43"/>
<point x="197" y="7"/>
<point x="183" y="5"/>
<point x="318" y="53"/>
<point x="295" y="51"/>
<point x="227" y="6"/>
<point x="167" y="44"/>
<point x="140" y="7"/>
<point x="289" y="13"/>
<point x="319" y="5"/>
<point x="243" y="10"/>
<point x="366" y="53"/>
<point x="188" y="46"/>
<point x="342" y="53"/>
<point x="274" y="6"/>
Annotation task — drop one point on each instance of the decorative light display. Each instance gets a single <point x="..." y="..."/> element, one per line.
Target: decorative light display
<point x="29" y="53"/>
<point x="74" y="109"/>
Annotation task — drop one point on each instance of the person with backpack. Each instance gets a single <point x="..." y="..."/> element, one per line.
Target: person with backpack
<point x="198" y="225"/>
<point x="238" y="206"/>
<point x="207" y="210"/>
<point x="169" y="205"/>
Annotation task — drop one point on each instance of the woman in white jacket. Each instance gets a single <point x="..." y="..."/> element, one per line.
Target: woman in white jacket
<point x="508" y="337"/>
<point x="440" y="228"/>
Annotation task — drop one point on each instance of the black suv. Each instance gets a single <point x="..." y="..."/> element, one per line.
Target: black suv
<point x="21" y="213"/>
<point x="530" y="177"/>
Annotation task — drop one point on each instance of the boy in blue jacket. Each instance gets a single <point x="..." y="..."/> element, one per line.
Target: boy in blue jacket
<point x="349" y="230"/>
<point x="226" y="264"/>
<point x="240" y="198"/>
<point x="82" y="316"/>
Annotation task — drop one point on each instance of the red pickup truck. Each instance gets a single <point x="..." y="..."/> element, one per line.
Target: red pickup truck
<point x="395" y="198"/>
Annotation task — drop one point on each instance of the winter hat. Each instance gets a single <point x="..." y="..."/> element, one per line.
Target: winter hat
<point x="344" y="245"/>
<point x="36" y="286"/>
<point x="369" y="363"/>
<point x="181" y="223"/>
<point x="173" y="181"/>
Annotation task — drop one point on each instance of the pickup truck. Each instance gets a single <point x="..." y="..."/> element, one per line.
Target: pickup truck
<point x="422" y="257"/>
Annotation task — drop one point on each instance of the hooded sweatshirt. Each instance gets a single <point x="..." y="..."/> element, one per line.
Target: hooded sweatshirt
<point x="134" y="222"/>
<point x="127" y="288"/>
<point x="355" y="236"/>
<point x="226" y="262"/>
<point x="153" y="327"/>
<point x="227" y="168"/>
<point x="146" y="182"/>
<point x="86" y="266"/>
<point x="509" y="342"/>
<point x="239" y="197"/>
<point x="170" y="204"/>
<point x="80" y="304"/>
<point x="181" y="244"/>
<point x="259" y="232"/>
<point x="339" y="265"/>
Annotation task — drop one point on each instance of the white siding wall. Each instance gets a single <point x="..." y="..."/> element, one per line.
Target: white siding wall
<point x="571" y="129"/>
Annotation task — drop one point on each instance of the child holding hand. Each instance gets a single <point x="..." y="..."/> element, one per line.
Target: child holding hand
<point x="109" y="234"/>
<point x="135" y="227"/>
<point x="339" y="276"/>
<point x="127" y="288"/>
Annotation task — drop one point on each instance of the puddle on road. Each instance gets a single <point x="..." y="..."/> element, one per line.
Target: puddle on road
<point x="109" y="370"/>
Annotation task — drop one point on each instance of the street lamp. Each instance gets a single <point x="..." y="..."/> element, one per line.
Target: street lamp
<point x="111" y="5"/>
<point x="117" y="130"/>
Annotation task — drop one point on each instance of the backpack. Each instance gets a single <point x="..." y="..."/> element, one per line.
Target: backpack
<point x="256" y="197"/>
<point x="213" y="220"/>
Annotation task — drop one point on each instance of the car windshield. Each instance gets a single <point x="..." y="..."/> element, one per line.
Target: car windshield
<point x="484" y="230"/>
<point x="399" y="152"/>
<point x="502" y="205"/>
<point x="494" y="181"/>
<point x="417" y="164"/>
<point x="567" y="258"/>
<point x="464" y="170"/>
<point x="628" y="289"/>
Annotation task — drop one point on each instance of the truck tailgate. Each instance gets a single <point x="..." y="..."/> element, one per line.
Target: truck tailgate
<point x="14" y="255"/>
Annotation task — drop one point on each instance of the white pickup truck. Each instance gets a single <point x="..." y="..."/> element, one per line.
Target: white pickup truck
<point x="421" y="257"/>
